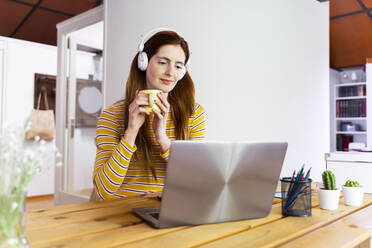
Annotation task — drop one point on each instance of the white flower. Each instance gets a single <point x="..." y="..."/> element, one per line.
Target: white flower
<point x="6" y="155"/>
<point x="28" y="126"/>
<point x="21" y="160"/>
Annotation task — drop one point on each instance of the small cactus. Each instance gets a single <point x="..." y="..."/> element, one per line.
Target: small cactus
<point x="352" y="184"/>
<point x="329" y="180"/>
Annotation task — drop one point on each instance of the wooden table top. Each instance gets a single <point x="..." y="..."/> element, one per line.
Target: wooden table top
<point x="112" y="224"/>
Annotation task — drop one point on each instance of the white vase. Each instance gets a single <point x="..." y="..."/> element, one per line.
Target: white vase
<point x="328" y="199"/>
<point x="353" y="196"/>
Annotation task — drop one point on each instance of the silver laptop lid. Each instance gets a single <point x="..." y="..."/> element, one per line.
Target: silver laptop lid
<point x="214" y="181"/>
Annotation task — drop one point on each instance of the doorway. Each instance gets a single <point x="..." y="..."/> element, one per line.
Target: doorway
<point x="78" y="103"/>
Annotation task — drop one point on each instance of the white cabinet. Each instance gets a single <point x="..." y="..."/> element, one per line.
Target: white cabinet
<point x="351" y="166"/>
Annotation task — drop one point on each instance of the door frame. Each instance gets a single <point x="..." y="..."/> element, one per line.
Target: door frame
<point x="3" y="71"/>
<point x="64" y="28"/>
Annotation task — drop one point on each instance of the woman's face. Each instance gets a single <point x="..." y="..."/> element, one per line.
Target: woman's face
<point x="165" y="68"/>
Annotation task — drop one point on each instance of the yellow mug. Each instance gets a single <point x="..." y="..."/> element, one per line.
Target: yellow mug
<point x="153" y="95"/>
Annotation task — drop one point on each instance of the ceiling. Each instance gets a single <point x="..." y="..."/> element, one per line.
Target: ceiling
<point x="350" y="32"/>
<point x="35" y="20"/>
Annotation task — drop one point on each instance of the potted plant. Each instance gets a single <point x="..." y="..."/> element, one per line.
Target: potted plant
<point x="353" y="193"/>
<point x="329" y="195"/>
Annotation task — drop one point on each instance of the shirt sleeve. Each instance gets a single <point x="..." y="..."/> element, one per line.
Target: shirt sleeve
<point x="198" y="129"/>
<point x="113" y="155"/>
<point x="165" y="155"/>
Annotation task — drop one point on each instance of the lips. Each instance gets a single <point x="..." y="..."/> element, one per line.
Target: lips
<point x="166" y="81"/>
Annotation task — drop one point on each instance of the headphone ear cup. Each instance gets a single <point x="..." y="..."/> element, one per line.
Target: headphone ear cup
<point x="142" y="61"/>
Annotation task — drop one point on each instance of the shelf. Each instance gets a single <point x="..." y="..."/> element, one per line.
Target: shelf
<point x="350" y="84"/>
<point x="351" y="118"/>
<point x="351" y="97"/>
<point x="351" y="132"/>
<point x="351" y="100"/>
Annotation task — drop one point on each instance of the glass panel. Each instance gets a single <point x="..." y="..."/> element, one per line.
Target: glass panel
<point x="83" y="108"/>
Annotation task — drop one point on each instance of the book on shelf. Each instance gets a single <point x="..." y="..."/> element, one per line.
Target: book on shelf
<point x="342" y="142"/>
<point x="351" y="108"/>
<point x="348" y="91"/>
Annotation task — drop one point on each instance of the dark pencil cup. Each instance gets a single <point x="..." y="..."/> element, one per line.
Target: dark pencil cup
<point x="296" y="197"/>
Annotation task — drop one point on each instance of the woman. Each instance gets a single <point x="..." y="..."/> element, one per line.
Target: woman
<point x="133" y="144"/>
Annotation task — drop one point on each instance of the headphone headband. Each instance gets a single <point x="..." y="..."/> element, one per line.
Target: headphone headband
<point x="149" y="34"/>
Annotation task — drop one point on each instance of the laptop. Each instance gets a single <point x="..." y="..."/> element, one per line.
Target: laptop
<point x="217" y="181"/>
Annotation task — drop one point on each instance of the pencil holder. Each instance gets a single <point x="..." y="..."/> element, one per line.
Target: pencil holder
<point x="296" y="197"/>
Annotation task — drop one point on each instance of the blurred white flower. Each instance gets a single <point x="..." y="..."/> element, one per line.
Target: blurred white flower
<point x="28" y="126"/>
<point x="21" y="160"/>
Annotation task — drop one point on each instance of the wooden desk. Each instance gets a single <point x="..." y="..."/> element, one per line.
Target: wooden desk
<point x="112" y="224"/>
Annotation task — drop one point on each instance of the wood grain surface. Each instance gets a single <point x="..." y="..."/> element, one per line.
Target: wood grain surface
<point x="112" y="224"/>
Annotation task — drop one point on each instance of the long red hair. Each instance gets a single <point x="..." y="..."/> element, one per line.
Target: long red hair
<point x="181" y="98"/>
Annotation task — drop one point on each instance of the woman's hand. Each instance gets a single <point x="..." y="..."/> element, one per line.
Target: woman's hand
<point x="160" y="121"/>
<point x="137" y="116"/>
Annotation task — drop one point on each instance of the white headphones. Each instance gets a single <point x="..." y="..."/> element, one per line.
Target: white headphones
<point x="143" y="60"/>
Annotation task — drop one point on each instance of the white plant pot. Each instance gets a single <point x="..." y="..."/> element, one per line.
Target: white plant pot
<point x="328" y="199"/>
<point x="353" y="196"/>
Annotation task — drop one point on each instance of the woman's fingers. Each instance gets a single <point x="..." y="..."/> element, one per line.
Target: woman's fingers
<point x="142" y="98"/>
<point x="143" y="111"/>
<point x="163" y="109"/>
<point x="157" y="114"/>
<point x="135" y="107"/>
<point x="163" y="100"/>
<point x="142" y="102"/>
<point x="163" y="103"/>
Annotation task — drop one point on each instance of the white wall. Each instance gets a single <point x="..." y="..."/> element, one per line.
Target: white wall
<point x="24" y="59"/>
<point x="21" y="60"/>
<point x="261" y="68"/>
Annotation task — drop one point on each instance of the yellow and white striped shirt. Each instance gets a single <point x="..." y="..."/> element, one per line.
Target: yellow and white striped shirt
<point x="116" y="173"/>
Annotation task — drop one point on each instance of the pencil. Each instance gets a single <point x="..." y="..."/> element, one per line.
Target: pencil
<point x="292" y="181"/>
<point x="290" y="186"/>
<point x="307" y="174"/>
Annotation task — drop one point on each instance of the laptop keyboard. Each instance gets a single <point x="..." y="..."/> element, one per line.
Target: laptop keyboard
<point x="155" y="215"/>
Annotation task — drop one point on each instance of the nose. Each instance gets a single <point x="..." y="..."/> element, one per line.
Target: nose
<point x="170" y="70"/>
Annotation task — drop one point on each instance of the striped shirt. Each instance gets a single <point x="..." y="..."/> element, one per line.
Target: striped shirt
<point x="116" y="173"/>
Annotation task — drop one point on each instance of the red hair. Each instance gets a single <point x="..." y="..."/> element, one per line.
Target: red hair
<point x="181" y="98"/>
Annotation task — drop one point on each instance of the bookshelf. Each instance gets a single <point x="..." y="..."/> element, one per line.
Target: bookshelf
<point x="351" y="99"/>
